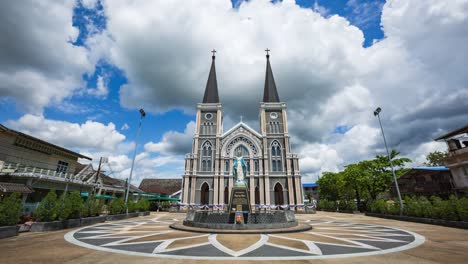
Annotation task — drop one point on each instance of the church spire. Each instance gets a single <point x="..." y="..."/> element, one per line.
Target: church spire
<point x="270" y="94"/>
<point x="211" y="90"/>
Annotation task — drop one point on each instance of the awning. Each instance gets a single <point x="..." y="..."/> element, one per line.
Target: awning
<point x="8" y="187"/>
<point x="107" y="197"/>
<point x="162" y="198"/>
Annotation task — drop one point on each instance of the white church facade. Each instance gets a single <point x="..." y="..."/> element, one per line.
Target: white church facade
<point x="273" y="176"/>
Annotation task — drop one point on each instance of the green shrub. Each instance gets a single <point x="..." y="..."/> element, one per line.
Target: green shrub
<point x="132" y="206"/>
<point x="76" y="203"/>
<point x="64" y="207"/>
<point x="462" y="209"/>
<point x="47" y="209"/>
<point x="425" y="207"/>
<point x="97" y="206"/>
<point x="117" y="206"/>
<point x="143" y="205"/>
<point x="10" y="210"/>
<point x="326" y="205"/>
<point x="378" y="206"/>
<point x="393" y="209"/>
<point x="438" y="206"/>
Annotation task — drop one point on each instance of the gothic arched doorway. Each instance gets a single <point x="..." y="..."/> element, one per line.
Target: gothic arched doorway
<point x="226" y="195"/>
<point x="205" y="194"/>
<point x="257" y="195"/>
<point x="279" y="194"/>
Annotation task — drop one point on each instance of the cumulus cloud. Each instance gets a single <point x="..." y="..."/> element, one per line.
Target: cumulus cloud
<point x="39" y="65"/>
<point x="87" y="136"/>
<point x="173" y="142"/>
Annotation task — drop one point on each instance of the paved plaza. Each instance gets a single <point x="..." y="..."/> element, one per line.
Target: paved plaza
<point x="335" y="238"/>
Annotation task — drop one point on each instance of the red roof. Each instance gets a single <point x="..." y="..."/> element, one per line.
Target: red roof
<point x="161" y="186"/>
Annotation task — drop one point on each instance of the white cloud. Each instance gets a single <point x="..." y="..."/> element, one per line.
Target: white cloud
<point x="90" y="135"/>
<point x="173" y="142"/>
<point x="39" y="65"/>
<point x="125" y="127"/>
<point x="101" y="89"/>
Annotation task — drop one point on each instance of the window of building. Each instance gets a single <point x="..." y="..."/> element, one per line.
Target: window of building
<point x="206" y="159"/>
<point x="226" y="165"/>
<point x="276" y="164"/>
<point x="256" y="165"/>
<point x="62" y="166"/>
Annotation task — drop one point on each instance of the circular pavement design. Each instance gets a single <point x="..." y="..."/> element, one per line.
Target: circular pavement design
<point x="327" y="239"/>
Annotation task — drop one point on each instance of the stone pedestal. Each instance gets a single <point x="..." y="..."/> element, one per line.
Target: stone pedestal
<point x="240" y="201"/>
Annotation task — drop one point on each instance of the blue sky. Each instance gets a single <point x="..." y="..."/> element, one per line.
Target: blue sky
<point x="330" y="59"/>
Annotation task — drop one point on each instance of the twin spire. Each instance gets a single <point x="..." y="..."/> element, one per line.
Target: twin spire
<point x="270" y="94"/>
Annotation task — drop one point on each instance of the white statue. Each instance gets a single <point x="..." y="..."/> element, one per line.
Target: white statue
<point x="240" y="169"/>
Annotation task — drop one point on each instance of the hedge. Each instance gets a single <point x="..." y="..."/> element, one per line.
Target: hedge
<point x="455" y="209"/>
<point x="10" y="210"/>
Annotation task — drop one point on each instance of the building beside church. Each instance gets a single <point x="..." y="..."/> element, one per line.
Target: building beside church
<point x="457" y="157"/>
<point x="273" y="175"/>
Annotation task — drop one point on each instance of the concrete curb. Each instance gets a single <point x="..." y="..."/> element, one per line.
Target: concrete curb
<point x="71" y="223"/>
<point x="430" y="221"/>
<point x="298" y="228"/>
<point x="8" y="231"/>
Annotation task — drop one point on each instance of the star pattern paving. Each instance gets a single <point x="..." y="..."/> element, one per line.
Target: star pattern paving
<point x="327" y="239"/>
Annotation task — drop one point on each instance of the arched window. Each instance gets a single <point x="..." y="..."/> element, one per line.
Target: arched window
<point x="276" y="164"/>
<point x="244" y="150"/>
<point x="256" y="165"/>
<point x="226" y="165"/>
<point x="206" y="159"/>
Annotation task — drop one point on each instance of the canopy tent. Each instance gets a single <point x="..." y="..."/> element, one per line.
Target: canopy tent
<point x="107" y="197"/>
<point x="163" y="198"/>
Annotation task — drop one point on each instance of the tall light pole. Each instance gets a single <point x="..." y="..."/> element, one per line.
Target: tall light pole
<point x="142" y="115"/>
<point x="377" y="113"/>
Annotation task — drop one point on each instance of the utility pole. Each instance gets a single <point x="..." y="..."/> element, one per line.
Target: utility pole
<point x="142" y="115"/>
<point x="377" y="113"/>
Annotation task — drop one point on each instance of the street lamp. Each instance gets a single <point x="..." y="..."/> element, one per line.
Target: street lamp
<point x="377" y="113"/>
<point x="142" y="114"/>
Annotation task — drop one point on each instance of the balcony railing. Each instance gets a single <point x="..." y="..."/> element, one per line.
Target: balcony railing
<point x="18" y="169"/>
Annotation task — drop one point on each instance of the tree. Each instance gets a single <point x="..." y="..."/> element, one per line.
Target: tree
<point x="436" y="158"/>
<point x="355" y="177"/>
<point x="380" y="173"/>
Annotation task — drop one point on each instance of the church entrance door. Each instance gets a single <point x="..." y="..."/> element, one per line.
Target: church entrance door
<point x="205" y="194"/>
<point x="279" y="194"/>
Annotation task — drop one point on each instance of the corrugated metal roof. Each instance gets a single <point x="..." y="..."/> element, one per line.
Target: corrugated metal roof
<point x="309" y="185"/>
<point x="8" y="187"/>
<point x="437" y="168"/>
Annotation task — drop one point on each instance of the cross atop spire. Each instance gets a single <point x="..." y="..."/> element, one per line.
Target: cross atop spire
<point x="211" y="90"/>
<point x="270" y="94"/>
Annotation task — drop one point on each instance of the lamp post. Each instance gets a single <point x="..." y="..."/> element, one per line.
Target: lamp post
<point x="142" y="115"/>
<point x="377" y="113"/>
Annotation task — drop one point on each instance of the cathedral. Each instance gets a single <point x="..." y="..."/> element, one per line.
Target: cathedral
<point x="273" y="176"/>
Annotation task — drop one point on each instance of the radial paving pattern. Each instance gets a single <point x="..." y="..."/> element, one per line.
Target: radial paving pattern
<point x="327" y="239"/>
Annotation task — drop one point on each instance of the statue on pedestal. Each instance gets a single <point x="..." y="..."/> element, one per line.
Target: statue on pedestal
<point x="239" y="170"/>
